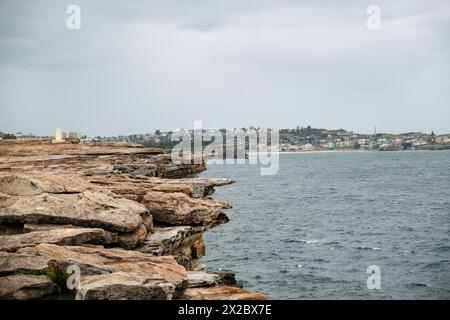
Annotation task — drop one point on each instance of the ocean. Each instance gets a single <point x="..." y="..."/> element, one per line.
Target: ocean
<point x="312" y="230"/>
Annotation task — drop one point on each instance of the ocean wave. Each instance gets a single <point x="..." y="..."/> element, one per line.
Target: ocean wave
<point x="418" y="284"/>
<point x="320" y="260"/>
<point x="442" y="249"/>
<point x="311" y="241"/>
<point x="405" y="228"/>
<point x="320" y="279"/>
<point x="369" y="248"/>
<point x="434" y="264"/>
<point x="442" y="290"/>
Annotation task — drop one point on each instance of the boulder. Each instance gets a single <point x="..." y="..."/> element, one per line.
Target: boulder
<point x="15" y="263"/>
<point x="198" y="279"/>
<point x="201" y="279"/>
<point x="196" y="265"/>
<point x="167" y="169"/>
<point x="25" y="287"/>
<point x="132" y="239"/>
<point x="180" y="209"/>
<point x="121" y="285"/>
<point x="226" y="278"/>
<point x="167" y="240"/>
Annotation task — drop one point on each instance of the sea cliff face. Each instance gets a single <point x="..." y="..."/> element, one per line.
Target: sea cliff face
<point x="124" y="218"/>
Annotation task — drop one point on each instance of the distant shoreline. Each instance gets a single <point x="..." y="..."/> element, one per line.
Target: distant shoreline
<point x="345" y="151"/>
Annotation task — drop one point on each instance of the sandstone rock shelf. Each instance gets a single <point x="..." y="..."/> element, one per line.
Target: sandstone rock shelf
<point x="112" y="220"/>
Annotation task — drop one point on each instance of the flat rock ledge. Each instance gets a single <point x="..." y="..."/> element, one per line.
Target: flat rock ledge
<point x="106" y="221"/>
<point x="74" y="236"/>
<point x="221" y="293"/>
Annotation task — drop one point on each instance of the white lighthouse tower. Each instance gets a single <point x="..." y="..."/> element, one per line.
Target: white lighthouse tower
<point x="58" y="136"/>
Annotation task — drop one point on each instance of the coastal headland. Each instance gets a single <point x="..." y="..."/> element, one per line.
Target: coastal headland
<point x="106" y="221"/>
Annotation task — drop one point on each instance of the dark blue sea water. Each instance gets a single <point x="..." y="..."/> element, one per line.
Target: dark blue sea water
<point x="312" y="230"/>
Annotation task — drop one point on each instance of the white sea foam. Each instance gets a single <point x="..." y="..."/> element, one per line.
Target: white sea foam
<point x="311" y="241"/>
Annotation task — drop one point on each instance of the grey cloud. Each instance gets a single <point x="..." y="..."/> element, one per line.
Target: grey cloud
<point x="136" y="66"/>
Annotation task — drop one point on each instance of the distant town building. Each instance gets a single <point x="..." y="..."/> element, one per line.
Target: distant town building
<point x="442" y="139"/>
<point x="307" y="147"/>
<point x="74" y="135"/>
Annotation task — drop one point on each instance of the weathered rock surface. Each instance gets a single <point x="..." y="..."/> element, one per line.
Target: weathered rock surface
<point x="124" y="285"/>
<point x="221" y="293"/>
<point x="41" y="157"/>
<point x="139" y="185"/>
<point x="109" y="236"/>
<point x="72" y="236"/>
<point x="201" y="279"/>
<point x="197" y="265"/>
<point x="166" y="240"/>
<point x="198" y="249"/>
<point x="132" y="239"/>
<point x="179" y="209"/>
<point x="226" y="278"/>
<point x="25" y="287"/>
<point x="193" y="187"/>
<point x="167" y="169"/>
<point x="185" y="243"/>
<point x="15" y="263"/>
<point x="147" y="220"/>
<point x="95" y="260"/>
<point x="201" y="187"/>
<point x="174" y="202"/>
<point x="136" y="169"/>
<point x="58" y="200"/>
<point x="52" y="200"/>
<point x="198" y="279"/>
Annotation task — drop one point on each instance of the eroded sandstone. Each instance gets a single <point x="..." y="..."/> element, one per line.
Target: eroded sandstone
<point x="221" y="293"/>
<point x="130" y="219"/>
<point x="72" y="236"/>
<point x="25" y="287"/>
<point x="95" y="260"/>
<point x="44" y="199"/>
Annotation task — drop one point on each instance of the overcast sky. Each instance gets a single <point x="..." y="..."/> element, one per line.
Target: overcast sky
<point x="137" y="66"/>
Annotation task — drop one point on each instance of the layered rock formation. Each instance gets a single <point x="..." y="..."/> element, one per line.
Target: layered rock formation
<point x="106" y="221"/>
